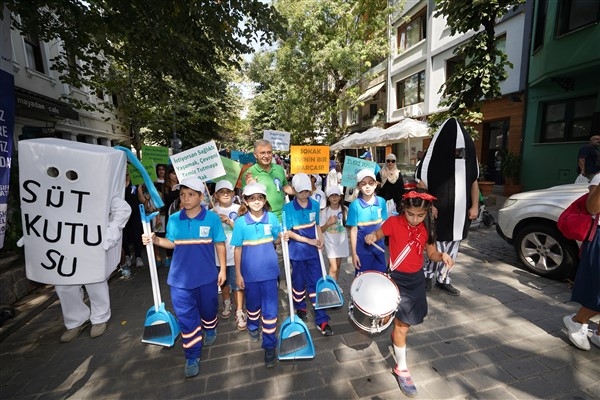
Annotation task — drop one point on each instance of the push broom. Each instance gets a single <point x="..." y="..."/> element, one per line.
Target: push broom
<point x="161" y="327"/>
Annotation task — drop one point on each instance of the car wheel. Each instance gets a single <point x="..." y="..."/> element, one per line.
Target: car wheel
<point x="545" y="251"/>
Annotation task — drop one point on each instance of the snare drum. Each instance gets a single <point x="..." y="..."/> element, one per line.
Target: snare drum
<point x="374" y="298"/>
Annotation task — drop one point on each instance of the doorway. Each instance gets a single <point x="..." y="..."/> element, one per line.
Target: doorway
<point x="494" y="144"/>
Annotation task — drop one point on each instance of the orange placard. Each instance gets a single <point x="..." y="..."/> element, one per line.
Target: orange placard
<point x="309" y="159"/>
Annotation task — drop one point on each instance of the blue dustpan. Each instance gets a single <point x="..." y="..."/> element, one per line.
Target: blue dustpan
<point x="328" y="291"/>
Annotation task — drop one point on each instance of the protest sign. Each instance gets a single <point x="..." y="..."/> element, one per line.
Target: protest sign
<point x="280" y="140"/>
<point x="232" y="170"/>
<point x="309" y="159"/>
<point x="351" y="167"/>
<point x="203" y="162"/>
<point x="247" y="158"/>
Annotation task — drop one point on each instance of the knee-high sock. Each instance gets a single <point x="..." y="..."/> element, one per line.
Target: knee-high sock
<point x="400" y="353"/>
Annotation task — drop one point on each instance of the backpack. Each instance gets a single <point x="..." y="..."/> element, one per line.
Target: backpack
<point x="576" y="223"/>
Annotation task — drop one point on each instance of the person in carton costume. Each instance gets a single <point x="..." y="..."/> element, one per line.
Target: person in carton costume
<point x="73" y="219"/>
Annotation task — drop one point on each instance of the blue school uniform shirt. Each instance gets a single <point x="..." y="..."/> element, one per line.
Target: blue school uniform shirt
<point x="302" y="221"/>
<point x="259" y="258"/>
<point x="193" y="263"/>
<point x="368" y="218"/>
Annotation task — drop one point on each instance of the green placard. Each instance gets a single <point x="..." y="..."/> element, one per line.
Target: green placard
<point x="156" y="154"/>
<point x="232" y="170"/>
<point x="134" y="175"/>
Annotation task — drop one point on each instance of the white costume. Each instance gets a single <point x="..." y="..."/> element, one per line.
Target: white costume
<point x="73" y="214"/>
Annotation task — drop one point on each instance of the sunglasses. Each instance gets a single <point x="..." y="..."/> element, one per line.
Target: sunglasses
<point x="390" y="161"/>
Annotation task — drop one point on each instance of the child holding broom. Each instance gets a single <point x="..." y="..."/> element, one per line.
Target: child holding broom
<point x="301" y="216"/>
<point x="254" y="233"/>
<point x="410" y="233"/>
<point x="194" y="233"/>
<point x="333" y="225"/>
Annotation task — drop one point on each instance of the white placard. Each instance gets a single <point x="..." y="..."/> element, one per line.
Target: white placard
<point x="66" y="193"/>
<point x="280" y="140"/>
<point x="203" y="162"/>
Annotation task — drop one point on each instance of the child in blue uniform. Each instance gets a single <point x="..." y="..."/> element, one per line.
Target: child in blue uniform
<point x="365" y="215"/>
<point x="194" y="233"/>
<point x="301" y="216"/>
<point x="254" y="233"/>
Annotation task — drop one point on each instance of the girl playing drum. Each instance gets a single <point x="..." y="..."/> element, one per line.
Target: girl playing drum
<point x="410" y="233"/>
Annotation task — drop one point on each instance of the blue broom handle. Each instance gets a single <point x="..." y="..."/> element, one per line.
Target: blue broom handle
<point x="286" y="265"/>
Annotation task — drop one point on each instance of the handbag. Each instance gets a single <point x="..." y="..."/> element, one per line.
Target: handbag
<point x="576" y="223"/>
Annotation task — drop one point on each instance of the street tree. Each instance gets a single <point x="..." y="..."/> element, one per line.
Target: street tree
<point x="152" y="53"/>
<point x="302" y="84"/>
<point x="484" y="66"/>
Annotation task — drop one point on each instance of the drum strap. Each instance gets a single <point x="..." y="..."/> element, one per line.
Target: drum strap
<point x="401" y="256"/>
<point x="413" y="241"/>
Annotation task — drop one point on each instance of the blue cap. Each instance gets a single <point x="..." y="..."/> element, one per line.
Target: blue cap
<point x="366" y="154"/>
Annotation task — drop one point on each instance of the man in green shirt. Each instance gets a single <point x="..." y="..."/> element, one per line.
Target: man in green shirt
<point x="269" y="174"/>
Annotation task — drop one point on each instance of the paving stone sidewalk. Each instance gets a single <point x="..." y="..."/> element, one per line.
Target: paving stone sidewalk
<point x="501" y="339"/>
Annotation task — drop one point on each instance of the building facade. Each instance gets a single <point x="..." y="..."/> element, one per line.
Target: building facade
<point x="42" y="107"/>
<point x="563" y="100"/>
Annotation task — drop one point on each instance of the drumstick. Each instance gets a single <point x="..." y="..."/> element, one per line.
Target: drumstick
<point x="378" y="247"/>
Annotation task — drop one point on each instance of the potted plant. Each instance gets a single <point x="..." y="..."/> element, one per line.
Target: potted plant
<point x="511" y="171"/>
<point x="485" y="185"/>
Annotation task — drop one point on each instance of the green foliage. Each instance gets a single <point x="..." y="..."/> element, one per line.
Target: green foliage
<point x="300" y="86"/>
<point x="160" y="57"/>
<point x="485" y="67"/>
<point x="510" y="167"/>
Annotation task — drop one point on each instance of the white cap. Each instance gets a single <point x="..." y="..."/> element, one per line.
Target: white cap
<point x="224" y="184"/>
<point x="301" y="182"/>
<point x="254" y="188"/>
<point x="335" y="189"/>
<point x="363" y="173"/>
<point x="191" y="182"/>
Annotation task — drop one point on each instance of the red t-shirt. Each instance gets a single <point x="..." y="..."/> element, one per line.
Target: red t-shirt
<point x="401" y="234"/>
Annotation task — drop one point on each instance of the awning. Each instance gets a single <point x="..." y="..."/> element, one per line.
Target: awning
<point x="370" y="93"/>
<point x="27" y="101"/>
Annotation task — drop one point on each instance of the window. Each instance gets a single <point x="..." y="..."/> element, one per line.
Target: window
<point x="413" y="32"/>
<point x="115" y="100"/>
<point x="353" y="116"/>
<point x="372" y="110"/>
<point x="575" y="14"/>
<point x="452" y="65"/>
<point x="411" y="90"/>
<point x="33" y="53"/>
<point x="540" y="24"/>
<point x="568" y="120"/>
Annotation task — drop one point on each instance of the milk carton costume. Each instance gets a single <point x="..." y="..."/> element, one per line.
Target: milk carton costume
<point x="73" y="213"/>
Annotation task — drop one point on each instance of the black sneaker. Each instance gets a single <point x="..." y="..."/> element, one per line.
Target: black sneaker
<point x="448" y="289"/>
<point x="325" y="329"/>
<point x="301" y="314"/>
<point x="428" y="284"/>
<point x="270" y="358"/>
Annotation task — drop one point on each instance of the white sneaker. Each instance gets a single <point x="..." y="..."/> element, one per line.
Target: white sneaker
<point x="240" y="320"/>
<point x="595" y="339"/>
<point x="577" y="332"/>
<point x="227" y="308"/>
<point x="139" y="262"/>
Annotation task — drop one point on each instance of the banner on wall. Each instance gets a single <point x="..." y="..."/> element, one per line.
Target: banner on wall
<point x="7" y="119"/>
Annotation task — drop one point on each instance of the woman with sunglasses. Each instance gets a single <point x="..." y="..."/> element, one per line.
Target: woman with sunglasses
<point x="392" y="184"/>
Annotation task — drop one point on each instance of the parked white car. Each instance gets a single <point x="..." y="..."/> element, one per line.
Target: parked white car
<point x="528" y="221"/>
